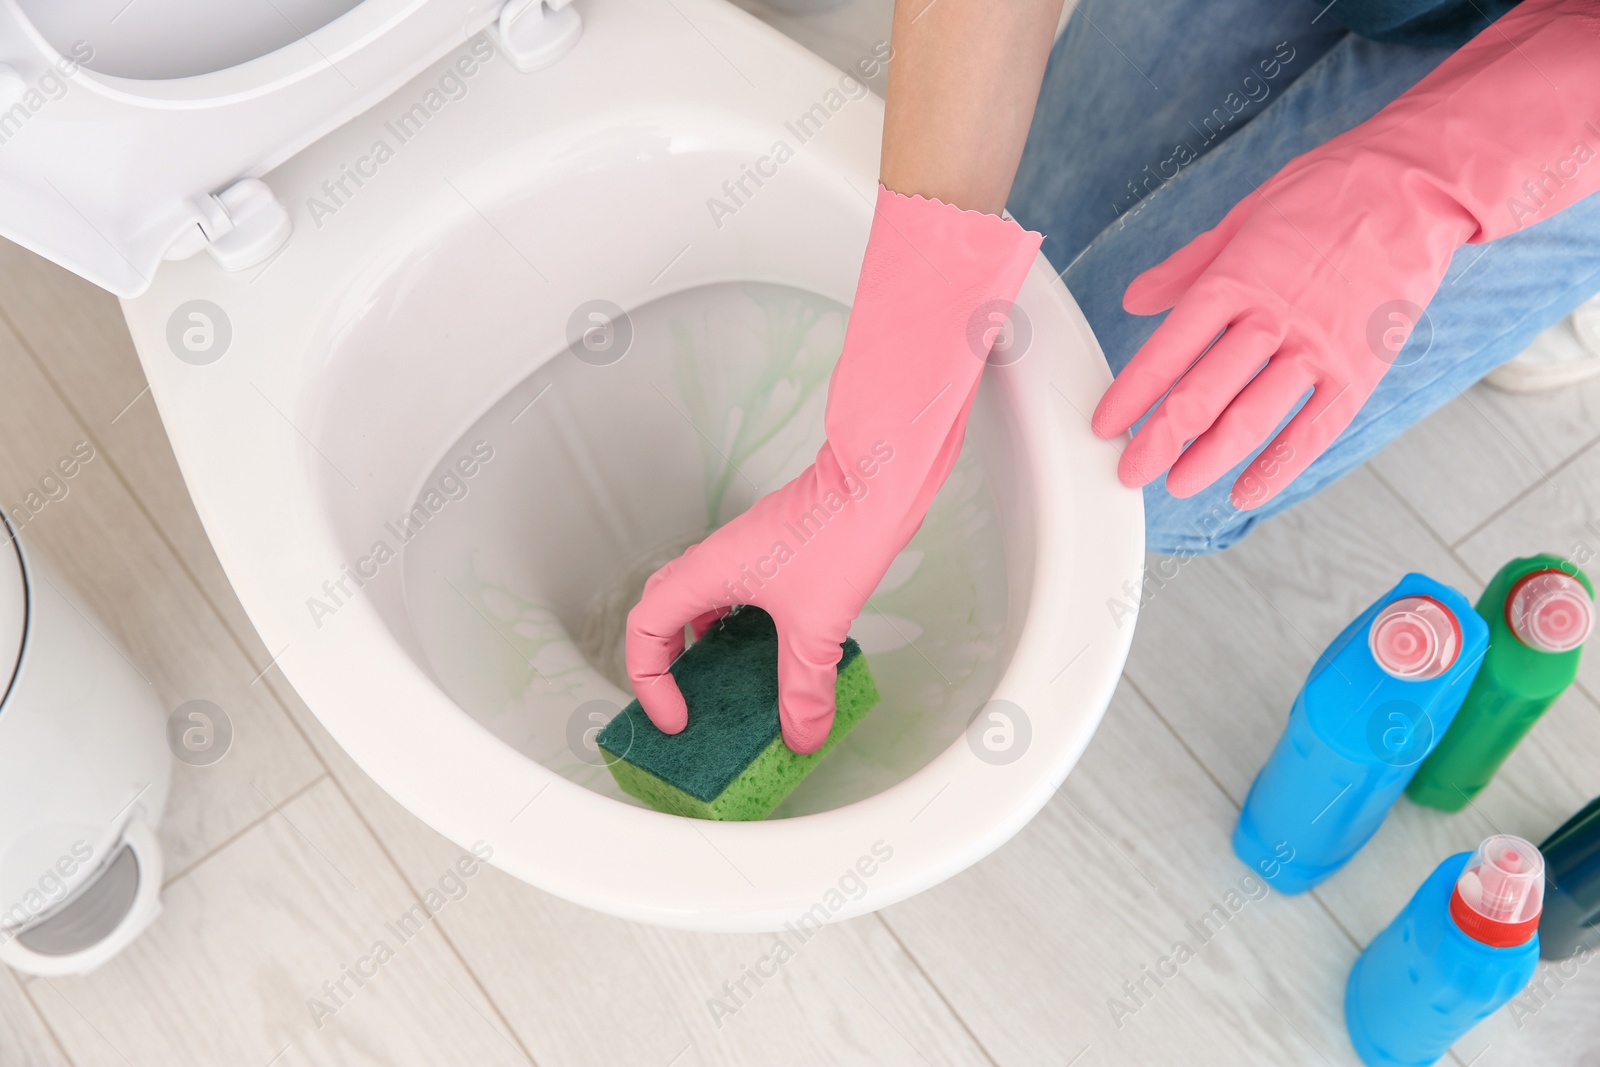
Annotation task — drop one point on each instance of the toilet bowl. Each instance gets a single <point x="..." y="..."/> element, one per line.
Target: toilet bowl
<point x="549" y="333"/>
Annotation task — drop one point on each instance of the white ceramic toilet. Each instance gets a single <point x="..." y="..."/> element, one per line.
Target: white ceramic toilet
<point x="476" y="347"/>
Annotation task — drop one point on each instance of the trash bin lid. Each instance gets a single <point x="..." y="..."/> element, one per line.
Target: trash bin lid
<point x="13" y="609"/>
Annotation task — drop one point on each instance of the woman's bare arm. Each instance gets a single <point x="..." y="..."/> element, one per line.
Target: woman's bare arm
<point x="962" y="88"/>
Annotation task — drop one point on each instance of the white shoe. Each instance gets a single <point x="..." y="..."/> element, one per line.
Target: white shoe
<point x="1565" y="354"/>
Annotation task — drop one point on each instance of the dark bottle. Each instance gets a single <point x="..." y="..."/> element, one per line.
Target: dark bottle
<point x="1571" y="920"/>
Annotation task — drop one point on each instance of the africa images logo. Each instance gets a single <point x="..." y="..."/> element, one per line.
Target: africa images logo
<point x="451" y="86"/>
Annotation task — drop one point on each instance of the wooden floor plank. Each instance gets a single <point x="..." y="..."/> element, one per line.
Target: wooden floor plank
<point x="233" y="972"/>
<point x="1474" y="456"/>
<point x="1034" y="945"/>
<point x="25" y="1040"/>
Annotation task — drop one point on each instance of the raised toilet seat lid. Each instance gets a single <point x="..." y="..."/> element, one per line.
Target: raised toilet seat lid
<point x="108" y="173"/>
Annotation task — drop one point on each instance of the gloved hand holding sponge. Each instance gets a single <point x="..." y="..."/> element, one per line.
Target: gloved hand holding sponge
<point x="811" y="553"/>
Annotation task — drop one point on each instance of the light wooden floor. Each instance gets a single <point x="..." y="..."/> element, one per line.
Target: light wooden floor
<point x="285" y="861"/>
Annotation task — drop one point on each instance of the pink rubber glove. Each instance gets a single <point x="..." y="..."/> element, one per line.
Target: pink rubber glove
<point x="811" y="552"/>
<point x="1317" y="278"/>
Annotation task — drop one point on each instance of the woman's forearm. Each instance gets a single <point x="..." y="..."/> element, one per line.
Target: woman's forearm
<point x="961" y="94"/>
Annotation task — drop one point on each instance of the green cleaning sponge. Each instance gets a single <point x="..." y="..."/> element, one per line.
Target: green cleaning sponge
<point x="730" y="762"/>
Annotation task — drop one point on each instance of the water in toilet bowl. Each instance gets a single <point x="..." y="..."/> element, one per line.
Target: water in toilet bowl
<point x="605" y="466"/>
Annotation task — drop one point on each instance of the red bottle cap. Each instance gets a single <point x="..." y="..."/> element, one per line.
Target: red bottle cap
<point x="1415" y="638"/>
<point x="1499" y="895"/>
<point x="1550" y="611"/>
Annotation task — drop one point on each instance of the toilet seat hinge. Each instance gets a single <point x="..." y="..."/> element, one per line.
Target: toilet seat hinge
<point x="241" y="226"/>
<point x="536" y="33"/>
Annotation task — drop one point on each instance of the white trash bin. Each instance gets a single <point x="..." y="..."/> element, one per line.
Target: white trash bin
<point x="84" y="771"/>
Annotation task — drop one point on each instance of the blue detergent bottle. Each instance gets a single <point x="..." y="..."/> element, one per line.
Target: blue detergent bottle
<point x="1466" y="944"/>
<point x="1376" y="702"/>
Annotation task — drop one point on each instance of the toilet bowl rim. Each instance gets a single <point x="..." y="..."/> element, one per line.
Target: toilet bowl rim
<point x="985" y="817"/>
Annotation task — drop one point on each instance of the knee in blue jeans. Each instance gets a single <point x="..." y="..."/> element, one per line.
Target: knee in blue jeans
<point x="1194" y="526"/>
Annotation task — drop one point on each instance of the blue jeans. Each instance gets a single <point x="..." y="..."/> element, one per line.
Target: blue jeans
<point x="1157" y="116"/>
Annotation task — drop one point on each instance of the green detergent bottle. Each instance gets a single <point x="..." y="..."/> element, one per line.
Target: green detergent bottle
<point x="1540" y="610"/>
